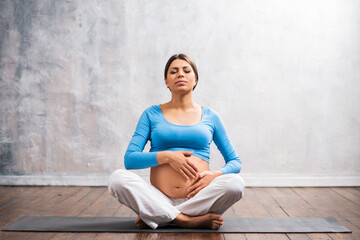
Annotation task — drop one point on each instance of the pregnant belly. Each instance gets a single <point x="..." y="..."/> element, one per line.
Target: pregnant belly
<point x="170" y="182"/>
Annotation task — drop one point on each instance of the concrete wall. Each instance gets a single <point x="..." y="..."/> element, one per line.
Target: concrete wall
<point x="76" y="75"/>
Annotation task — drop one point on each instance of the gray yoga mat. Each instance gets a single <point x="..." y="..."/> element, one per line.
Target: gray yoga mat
<point x="125" y="224"/>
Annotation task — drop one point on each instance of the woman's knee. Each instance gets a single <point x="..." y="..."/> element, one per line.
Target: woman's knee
<point x="118" y="179"/>
<point x="234" y="186"/>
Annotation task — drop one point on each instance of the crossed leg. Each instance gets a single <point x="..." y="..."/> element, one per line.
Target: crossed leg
<point x="154" y="208"/>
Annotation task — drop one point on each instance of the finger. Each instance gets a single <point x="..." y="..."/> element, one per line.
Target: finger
<point x="188" y="173"/>
<point x="191" y="171"/>
<point x="201" y="175"/>
<point x="194" y="192"/>
<point x="192" y="166"/>
<point x="197" y="177"/>
<point x="194" y="185"/>
<point x="190" y="189"/>
<point x="187" y="153"/>
<point x="184" y="174"/>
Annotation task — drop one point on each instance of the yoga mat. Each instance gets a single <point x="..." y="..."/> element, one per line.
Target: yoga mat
<point x="125" y="224"/>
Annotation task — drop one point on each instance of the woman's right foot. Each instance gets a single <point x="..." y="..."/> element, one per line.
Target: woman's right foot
<point x="209" y="221"/>
<point x="140" y="223"/>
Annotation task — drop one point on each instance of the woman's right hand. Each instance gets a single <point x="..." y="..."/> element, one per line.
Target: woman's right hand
<point x="179" y="161"/>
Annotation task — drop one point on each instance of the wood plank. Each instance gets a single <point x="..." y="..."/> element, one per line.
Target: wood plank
<point x="54" y="195"/>
<point x="62" y="208"/>
<point x="124" y="211"/>
<point x="76" y="205"/>
<point x="294" y="206"/>
<point x="85" y="236"/>
<point x="8" y="195"/>
<point x="21" y="199"/>
<point x="270" y="203"/>
<point x="254" y="206"/>
<point x="110" y="207"/>
<point x="13" y="235"/>
<point x="82" y="205"/>
<point x="269" y="198"/>
<point x="93" y="208"/>
<point x="329" y="204"/>
<point x="234" y="236"/>
<point x="48" y="203"/>
<point x="353" y="190"/>
<point x="349" y="195"/>
<point x="20" y="208"/>
<point x="212" y="236"/>
<point x="116" y="236"/>
<point x="96" y="208"/>
<point x="195" y="236"/>
<point x="341" y="203"/>
<point x="332" y="204"/>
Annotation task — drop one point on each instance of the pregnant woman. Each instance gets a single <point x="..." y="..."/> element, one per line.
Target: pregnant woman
<point x="183" y="190"/>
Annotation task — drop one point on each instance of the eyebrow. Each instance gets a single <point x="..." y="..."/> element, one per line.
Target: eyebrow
<point x="182" y="67"/>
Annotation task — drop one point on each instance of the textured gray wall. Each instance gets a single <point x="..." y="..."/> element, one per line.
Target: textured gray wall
<point x="76" y="75"/>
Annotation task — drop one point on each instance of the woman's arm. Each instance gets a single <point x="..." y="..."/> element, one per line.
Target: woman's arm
<point x="136" y="159"/>
<point x="223" y="143"/>
<point x="233" y="163"/>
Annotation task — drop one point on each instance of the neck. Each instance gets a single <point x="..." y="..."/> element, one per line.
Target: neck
<point x="182" y="101"/>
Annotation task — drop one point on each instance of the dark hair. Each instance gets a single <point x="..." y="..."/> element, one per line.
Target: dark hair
<point x="185" y="58"/>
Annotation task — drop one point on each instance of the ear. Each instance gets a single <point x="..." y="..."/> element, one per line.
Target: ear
<point x="167" y="84"/>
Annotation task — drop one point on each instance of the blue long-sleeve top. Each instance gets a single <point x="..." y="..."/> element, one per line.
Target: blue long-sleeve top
<point x="166" y="136"/>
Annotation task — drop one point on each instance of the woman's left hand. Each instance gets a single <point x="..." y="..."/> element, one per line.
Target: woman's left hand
<point x="201" y="182"/>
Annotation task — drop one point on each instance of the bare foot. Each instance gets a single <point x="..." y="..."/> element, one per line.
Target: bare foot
<point x="209" y="221"/>
<point x="140" y="223"/>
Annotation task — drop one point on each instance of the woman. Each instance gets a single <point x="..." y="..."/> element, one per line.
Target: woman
<point x="183" y="190"/>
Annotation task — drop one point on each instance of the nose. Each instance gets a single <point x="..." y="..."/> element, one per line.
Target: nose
<point x="180" y="74"/>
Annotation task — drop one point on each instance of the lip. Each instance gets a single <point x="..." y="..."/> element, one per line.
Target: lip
<point x="180" y="82"/>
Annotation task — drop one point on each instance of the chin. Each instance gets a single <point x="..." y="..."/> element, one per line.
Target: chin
<point x="182" y="90"/>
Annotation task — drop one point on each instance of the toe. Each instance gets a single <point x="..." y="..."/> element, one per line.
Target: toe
<point x="215" y="226"/>
<point x="218" y="222"/>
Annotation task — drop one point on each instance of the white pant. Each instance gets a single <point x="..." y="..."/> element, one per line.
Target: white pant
<point x="155" y="208"/>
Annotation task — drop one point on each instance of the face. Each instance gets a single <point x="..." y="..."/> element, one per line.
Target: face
<point x="180" y="76"/>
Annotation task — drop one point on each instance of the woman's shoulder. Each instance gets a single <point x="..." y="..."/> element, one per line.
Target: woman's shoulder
<point x="210" y="111"/>
<point x="152" y="110"/>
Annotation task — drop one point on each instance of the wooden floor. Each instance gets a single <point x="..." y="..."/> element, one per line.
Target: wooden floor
<point x="341" y="203"/>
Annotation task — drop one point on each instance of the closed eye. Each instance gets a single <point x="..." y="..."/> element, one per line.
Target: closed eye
<point x="186" y="69"/>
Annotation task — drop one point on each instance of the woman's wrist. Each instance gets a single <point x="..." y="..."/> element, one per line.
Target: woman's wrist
<point x="163" y="157"/>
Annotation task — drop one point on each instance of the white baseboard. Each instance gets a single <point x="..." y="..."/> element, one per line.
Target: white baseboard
<point x="54" y="180"/>
<point x="250" y="181"/>
<point x="302" y="181"/>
